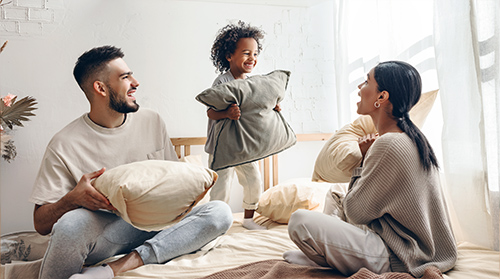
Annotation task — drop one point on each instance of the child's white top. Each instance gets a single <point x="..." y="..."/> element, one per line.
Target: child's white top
<point x="210" y="144"/>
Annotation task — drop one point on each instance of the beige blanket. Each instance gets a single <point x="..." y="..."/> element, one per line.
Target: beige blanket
<point x="241" y="247"/>
<point x="272" y="269"/>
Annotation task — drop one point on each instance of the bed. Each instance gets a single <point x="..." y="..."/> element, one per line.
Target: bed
<point x="241" y="253"/>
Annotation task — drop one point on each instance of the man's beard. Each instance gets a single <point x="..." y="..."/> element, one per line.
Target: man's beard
<point x="119" y="104"/>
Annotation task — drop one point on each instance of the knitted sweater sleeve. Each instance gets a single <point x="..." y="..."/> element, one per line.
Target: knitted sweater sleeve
<point x="386" y="181"/>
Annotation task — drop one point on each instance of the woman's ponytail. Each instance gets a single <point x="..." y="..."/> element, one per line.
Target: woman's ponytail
<point x="427" y="156"/>
<point x="404" y="85"/>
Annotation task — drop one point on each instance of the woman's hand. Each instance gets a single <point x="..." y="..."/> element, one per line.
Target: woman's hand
<point x="365" y="142"/>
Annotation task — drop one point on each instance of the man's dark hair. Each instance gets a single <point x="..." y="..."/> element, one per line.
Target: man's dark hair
<point x="92" y="63"/>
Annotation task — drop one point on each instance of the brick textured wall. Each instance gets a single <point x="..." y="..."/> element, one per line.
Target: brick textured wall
<point x="293" y="45"/>
<point x="26" y="17"/>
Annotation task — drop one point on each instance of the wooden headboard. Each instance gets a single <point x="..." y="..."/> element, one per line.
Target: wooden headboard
<point x="183" y="148"/>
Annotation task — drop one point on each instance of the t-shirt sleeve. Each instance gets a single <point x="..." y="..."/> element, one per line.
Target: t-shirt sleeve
<point x="53" y="181"/>
<point x="169" y="151"/>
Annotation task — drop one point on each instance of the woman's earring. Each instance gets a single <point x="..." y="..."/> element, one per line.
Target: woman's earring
<point x="377" y="105"/>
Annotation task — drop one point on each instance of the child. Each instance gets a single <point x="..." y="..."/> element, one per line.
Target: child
<point x="234" y="54"/>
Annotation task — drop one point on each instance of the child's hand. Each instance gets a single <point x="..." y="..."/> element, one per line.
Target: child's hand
<point x="277" y="107"/>
<point x="233" y="112"/>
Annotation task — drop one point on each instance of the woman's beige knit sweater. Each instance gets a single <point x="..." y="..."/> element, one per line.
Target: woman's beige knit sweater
<point x="395" y="197"/>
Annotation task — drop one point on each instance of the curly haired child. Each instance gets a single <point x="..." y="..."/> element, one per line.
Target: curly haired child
<point x="234" y="55"/>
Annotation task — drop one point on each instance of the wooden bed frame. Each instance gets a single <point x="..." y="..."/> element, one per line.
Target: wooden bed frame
<point x="270" y="170"/>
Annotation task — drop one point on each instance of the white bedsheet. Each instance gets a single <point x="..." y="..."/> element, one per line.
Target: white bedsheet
<point x="240" y="246"/>
<point x="237" y="247"/>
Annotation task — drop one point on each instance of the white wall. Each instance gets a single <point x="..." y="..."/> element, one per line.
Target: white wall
<point x="167" y="45"/>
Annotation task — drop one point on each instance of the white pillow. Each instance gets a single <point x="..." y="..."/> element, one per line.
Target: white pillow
<point x="341" y="154"/>
<point x="23" y="246"/>
<point x="196" y="160"/>
<point x="419" y="112"/>
<point x="279" y="202"/>
<point x="192" y="159"/>
<point x="154" y="194"/>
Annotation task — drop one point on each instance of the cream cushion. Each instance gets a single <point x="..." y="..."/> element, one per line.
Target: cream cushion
<point x="23" y="246"/>
<point x="419" y="112"/>
<point x="279" y="202"/>
<point x="341" y="154"/>
<point x="154" y="194"/>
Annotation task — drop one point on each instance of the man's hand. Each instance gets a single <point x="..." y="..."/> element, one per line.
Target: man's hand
<point x="85" y="195"/>
<point x="233" y="112"/>
<point x="365" y="142"/>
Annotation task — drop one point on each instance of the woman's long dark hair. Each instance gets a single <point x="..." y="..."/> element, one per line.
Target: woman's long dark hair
<point x="404" y="85"/>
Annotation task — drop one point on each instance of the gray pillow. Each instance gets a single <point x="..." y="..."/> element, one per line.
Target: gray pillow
<point x="261" y="131"/>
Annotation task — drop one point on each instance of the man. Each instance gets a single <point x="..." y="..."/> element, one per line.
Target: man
<point x="114" y="132"/>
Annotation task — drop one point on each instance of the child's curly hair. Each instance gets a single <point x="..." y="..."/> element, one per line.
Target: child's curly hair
<point x="225" y="42"/>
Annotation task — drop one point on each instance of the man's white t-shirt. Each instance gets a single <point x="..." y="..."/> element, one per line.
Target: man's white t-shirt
<point x="83" y="147"/>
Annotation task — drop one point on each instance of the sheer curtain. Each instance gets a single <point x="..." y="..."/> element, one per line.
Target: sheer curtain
<point x="368" y="32"/>
<point x="467" y="49"/>
<point x="455" y="46"/>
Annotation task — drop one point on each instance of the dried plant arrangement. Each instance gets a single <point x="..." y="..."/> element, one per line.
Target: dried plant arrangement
<point x="12" y="113"/>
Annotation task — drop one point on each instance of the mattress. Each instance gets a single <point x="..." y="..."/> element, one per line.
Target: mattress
<point x="240" y="247"/>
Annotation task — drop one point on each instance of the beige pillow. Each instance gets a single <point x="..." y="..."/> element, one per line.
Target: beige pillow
<point x="154" y="194"/>
<point x="279" y="202"/>
<point x="341" y="154"/>
<point x="23" y="246"/>
<point x="196" y="159"/>
<point x="419" y="112"/>
<point x="192" y="159"/>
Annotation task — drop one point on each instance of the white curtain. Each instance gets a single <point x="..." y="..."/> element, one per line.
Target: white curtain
<point x="486" y="23"/>
<point x="341" y="61"/>
<point x="368" y="32"/>
<point x="455" y="46"/>
<point x="467" y="50"/>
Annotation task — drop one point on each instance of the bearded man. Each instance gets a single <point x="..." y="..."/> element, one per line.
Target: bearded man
<point x="115" y="132"/>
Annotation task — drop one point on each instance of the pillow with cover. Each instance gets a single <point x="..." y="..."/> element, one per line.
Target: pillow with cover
<point x="261" y="131"/>
<point x="340" y="154"/>
<point x="152" y="195"/>
<point x="280" y="201"/>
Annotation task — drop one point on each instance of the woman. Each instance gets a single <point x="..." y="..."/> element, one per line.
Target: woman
<point x="396" y="218"/>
